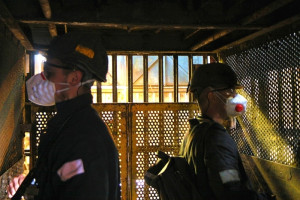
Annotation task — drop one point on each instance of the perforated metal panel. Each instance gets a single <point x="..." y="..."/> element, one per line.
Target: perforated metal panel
<point x="270" y="74"/>
<point x="139" y="131"/>
<point x="114" y="115"/>
<point x="155" y="127"/>
<point x="41" y="119"/>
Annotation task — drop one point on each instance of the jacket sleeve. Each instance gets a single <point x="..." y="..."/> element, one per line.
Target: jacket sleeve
<point x="222" y="162"/>
<point x="84" y="172"/>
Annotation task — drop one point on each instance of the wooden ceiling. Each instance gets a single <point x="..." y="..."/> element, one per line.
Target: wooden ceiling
<point x="150" y="25"/>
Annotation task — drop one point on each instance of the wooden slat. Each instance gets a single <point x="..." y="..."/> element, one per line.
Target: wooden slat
<point x="14" y="27"/>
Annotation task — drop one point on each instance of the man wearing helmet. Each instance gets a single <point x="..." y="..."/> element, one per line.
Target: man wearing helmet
<point x="208" y="148"/>
<point x="77" y="156"/>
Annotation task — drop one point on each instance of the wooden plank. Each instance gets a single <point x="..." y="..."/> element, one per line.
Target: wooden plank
<point x="191" y="34"/>
<point x="261" y="32"/>
<point x="14" y="27"/>
<point x="255" y="16"/>
<point x="47" y="13"/>
<point x="134" y="27"/>
<point x="46" y="8"/>
<point x="159" y="52"/>
<point x="210" y="39"/>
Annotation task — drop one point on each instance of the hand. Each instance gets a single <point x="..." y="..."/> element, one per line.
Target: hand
<point x="14" y="185"/>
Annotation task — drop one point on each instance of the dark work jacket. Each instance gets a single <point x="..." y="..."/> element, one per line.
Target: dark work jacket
<point x="209" y="150"/>
<point x="77" y="132"/>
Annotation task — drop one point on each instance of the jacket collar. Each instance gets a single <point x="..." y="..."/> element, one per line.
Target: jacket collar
<point x="73" y="105"/>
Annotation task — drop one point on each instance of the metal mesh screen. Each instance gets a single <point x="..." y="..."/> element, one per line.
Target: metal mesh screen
<point x="156" y="127"/>
<point x="270" y="74"/>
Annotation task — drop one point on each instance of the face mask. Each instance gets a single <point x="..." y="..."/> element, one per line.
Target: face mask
<point x="236" y="106"/>
<point x="42" y="91"/>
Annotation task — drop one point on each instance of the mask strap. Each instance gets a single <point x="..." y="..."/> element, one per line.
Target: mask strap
<point x="218" y="95"/>
<point x="58" y="91"/>
<point x="86" y="82"/>
<point x="79" y="84"/>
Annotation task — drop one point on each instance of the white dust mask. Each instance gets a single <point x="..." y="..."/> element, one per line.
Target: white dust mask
<point x="236" y="106"/>
<point x="42" y="91"/>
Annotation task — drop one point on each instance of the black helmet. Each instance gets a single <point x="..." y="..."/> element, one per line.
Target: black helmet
<point x="86" y="52"/>
<point x="216" y="75"/>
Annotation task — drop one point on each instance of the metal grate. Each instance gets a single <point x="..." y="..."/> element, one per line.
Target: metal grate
<point x="41" y="119"/>
<point x="147" y="127"/>
<point x="270" y="74"/>
<point x="156" y="127"/>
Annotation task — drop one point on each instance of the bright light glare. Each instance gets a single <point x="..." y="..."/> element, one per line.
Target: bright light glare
<point x="38" y="63"/>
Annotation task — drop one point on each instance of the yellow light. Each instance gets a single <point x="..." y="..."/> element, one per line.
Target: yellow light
<point x="266" y="135"/>
<point x="27" y="141"/>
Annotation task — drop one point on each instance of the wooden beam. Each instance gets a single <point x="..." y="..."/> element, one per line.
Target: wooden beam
<point x="134" y="27"/>
<point x="255" y="16"/>
<point x="46" y="8"/>
<point x="160" y="52"/>
<point x="47" y="13"/>
<point x="66" y="28"/>
<point x="145" y="81"/>
<point x="265" y="11"/>
<point x="211" y="39"/>
<point x="158" y="30"/>
<point x="191" y="34"/>
<point x="14" y="27"/>
<point x="52" y="30"/>
<point x="261" y="32"/>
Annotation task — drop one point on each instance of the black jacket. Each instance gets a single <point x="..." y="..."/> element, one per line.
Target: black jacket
<point x="80" y="135"/>
<point x="213" y="154"/>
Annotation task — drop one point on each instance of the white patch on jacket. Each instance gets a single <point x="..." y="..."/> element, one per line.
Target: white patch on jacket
<point x="70" y="169"/>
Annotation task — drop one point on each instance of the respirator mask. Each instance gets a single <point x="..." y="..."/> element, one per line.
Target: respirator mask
<point x="235" y="106"/>
<point x="42" y="91"/>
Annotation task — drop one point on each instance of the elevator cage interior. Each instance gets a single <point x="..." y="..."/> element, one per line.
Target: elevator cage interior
<point x="268" y="131"/>
<point x="260" y="40"/>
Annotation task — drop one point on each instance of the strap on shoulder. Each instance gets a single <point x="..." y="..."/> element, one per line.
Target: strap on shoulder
<point x="197" y="121"/>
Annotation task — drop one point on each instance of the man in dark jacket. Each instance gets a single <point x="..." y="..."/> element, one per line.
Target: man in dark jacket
<point x="208" y="147"/>
<point x="77" y="156"/>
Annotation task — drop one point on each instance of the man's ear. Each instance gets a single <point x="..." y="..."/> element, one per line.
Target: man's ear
<point x="75" y="77"/>
<point x="210" y="96"/>
<point x="207" y="92"/>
